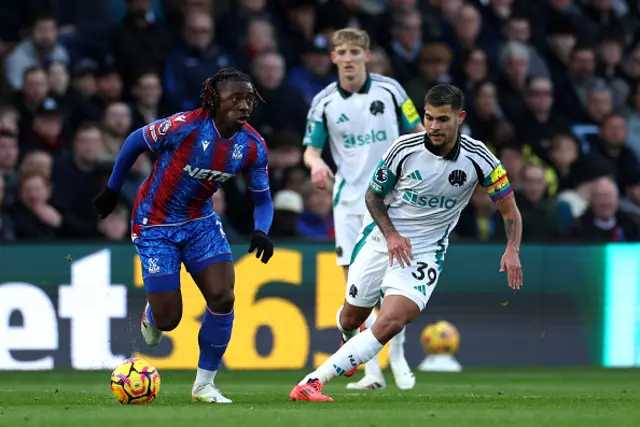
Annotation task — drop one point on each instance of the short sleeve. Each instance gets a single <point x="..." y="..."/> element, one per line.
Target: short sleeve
<point x="389" y="168"/>
<point x="316" y="131"/>
<point x="410" y="116"/>
<point x="257" y="173"/>
<point x="162" y="135"/>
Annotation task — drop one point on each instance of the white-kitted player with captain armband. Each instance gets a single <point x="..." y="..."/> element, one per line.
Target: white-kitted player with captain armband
<point x="414" y="201"/>
<point x="360" y="116"/>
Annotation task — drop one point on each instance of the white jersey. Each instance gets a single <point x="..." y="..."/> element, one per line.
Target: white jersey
<point x="360" y="127"/>
<point x="425" y="193"/>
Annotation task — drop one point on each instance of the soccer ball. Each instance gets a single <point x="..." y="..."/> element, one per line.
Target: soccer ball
<point x="440" y="338"/>
<point x="135" y="381"/>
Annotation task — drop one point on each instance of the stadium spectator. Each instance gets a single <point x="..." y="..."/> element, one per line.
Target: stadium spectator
<point x="316" y="220"/>
<point x="29" y="98"/>
<point x="193" y="61"/>
<point x="47" y="132"/>
<point x="486" y="113"/>
<point x="116" y="126"/>
<point x="37" y="50"/>
<point x="406" y="44"/>
<point x="538" y="212"/>
<point x="9" y="152"/>
<point x="75" y="184"/>
<point x="517" y="28"/>
<point x="603" y="221"/>
<point x="268" y="69"/>
<point x="474" y="69"/>
<point x="33" y="215"/>
<point x="149" y="103"/>
<point x="287" y="208"/>
<point x="434" y="67"/>
<point x="314" y="71"/>
<point x="611" y="144"/>
<point x="7" y="232"/>
<point x="539" y="121"/>
<point x="138" y="43"/>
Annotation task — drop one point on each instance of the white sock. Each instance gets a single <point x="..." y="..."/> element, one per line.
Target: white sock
<point x="355" y="352"/>
<point x="372" y="367"/>
<point x="205" y="377"/>
<point x="396" y="346"/>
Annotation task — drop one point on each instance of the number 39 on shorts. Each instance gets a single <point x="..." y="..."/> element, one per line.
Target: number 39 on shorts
<point x="425" y="275"/>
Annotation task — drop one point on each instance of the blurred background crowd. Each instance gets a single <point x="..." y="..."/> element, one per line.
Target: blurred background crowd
<point x="552" y="87"/>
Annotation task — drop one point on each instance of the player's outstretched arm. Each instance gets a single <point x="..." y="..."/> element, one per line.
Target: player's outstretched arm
<point x="513" y="228"/>
<point x="320" y="172"/>
<point x="106" y="201"/>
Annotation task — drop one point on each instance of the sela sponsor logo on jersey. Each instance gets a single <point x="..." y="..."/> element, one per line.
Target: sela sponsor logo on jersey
<point x="351" y="140"/>
<point x="207" y="174"/>
<point x="433" y="202"/>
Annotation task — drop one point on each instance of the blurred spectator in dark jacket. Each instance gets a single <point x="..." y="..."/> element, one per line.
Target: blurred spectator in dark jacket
<point x="316" y="221"/>
<point x="315" y="70"/>
<point x="47" y="132"/>
<point x="75" y="184"/>
<point x="477" y="220"/>
<point x="9" y="153"/>
<point x="7" y="232"/>
<point x="34" y="216"/>
<point x="603" y="221"/>
<point x="406" y="44"/>
<point x="138" y="43"/>
<point x="285" y="108"/>
<point x="196" y="58"/>
<point x="148" y="103"/>
<point x="29" y="98"/>
<point x="538" y="212"/>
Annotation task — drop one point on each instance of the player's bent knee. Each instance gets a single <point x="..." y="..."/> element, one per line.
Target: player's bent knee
<point x="167" y="318"/>
<point x="221" y="301"/>
<point x="386" y="328"/>
<point x="352" y="317"/>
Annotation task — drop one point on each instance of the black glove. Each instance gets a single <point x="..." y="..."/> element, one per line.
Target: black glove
<point x="264" y="247"/>
<point x="105" y="202"/>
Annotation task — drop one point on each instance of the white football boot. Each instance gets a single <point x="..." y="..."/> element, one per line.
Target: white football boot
<point x="207" y="393"/>
<point x="405" y="379"/>
<point x="152" y="336"/>
<point x="368" y="382"/>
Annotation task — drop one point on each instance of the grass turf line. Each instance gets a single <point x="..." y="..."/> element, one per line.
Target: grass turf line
<point x="475" y="397"/>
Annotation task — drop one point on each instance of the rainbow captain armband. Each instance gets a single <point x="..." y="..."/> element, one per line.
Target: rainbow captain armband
<point x="497" y="184"/>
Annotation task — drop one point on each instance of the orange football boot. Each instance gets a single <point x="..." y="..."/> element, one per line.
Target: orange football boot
<point x="311" y="392"/>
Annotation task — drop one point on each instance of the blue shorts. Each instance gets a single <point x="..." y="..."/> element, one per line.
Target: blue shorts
<point x="162" y="249"/>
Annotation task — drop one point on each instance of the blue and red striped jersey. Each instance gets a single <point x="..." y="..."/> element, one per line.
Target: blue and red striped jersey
<point x="193" y="162"/>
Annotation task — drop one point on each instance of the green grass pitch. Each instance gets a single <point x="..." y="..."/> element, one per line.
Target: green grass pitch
<point x="476" y="397"/>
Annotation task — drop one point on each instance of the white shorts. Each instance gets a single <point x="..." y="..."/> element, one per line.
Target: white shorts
<point x="371" y="277"/>
<point x="347" y="227"/>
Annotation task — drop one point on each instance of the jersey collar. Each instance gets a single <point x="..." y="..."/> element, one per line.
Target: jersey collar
<point x="364" y="89"/>
<point x="451" y="155"/>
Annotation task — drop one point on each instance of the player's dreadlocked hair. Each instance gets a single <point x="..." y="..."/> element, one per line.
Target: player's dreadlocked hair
<point x="209" y="94"/>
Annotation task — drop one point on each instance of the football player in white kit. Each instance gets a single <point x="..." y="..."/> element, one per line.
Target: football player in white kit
<point x="360" y="116"/>
<point x="414" y="201"/>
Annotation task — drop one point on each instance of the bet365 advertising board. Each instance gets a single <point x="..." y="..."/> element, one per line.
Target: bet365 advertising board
<point x="79" y="306"/>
